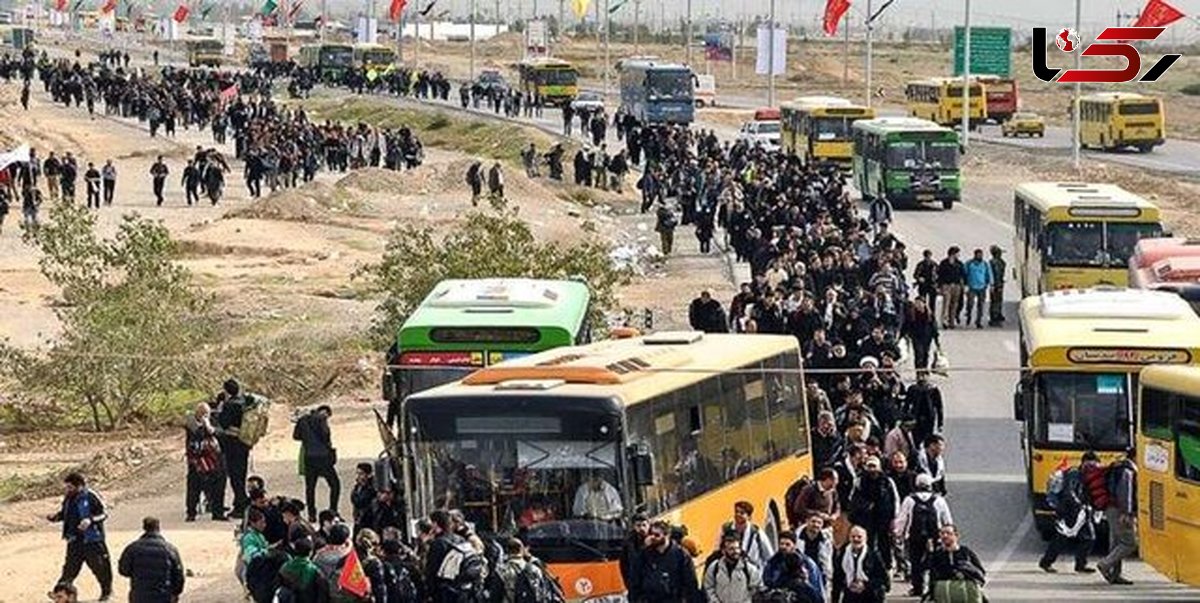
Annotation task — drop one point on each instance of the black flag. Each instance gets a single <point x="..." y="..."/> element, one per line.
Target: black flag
<point x="428" y="7"/>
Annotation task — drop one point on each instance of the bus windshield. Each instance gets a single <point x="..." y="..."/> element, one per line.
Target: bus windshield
<point x="1095" y="243"/>
<point x="337" y="56"/>
<point x="669" y="85"/>
<point x="557" y="77"/>
<point x="1084" y="410"/>
<point x="552" y="479"/>
<point x="830" y="128"/>
<point x="1146" y="108"/>
<point x="379" y="57"/>
<point x="917" y="155"/>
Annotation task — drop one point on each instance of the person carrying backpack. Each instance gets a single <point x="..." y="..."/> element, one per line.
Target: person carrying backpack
<point x="455" y="571"/>
<point x="402" y="573"/>
<point x="731" y="578"/>
<point x="922" y="516"/>
<point x="664" y="572"/>
<point x="1073" y="526"/>
<point x="955" y="572"/>
<point x="1122" y="517"/>
<point x="525" y="578"/>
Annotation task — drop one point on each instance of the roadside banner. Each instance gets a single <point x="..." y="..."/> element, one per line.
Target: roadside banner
<point x="17" y="155"/>
<point x="763" y="63"/>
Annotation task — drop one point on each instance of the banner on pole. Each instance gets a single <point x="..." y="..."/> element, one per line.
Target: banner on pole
<point x="1158" y="13"/>
<point x="718" y="47"/>
<point x="763" y="64"/>
<point x="834" y="9"/>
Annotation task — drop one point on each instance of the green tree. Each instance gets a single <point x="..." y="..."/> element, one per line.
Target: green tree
<point x="131" y="318"/>
<point x="484" y="245"/>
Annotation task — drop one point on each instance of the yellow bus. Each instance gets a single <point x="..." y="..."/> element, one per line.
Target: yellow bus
<point x="940" y="100"/>
<point x="1168" y="457"/>
<point x="1077" y="234"/>
<point x="554" y="80"/>
<point x="817" y="128"/>
<point x="1115" y="120"/>
<point x="680" y="425"/>
<point x="374" y="56"/>
<point x="1081" y="350"/>
<point x="205" y="52"/>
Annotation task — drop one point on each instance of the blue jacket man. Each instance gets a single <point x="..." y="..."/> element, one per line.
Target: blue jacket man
<point x="979" y="277"/>
<point x="82" y="515"/>
<point x="789" y="569"/>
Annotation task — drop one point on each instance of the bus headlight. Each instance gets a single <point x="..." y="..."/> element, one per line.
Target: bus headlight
<point x="618" y="598"/>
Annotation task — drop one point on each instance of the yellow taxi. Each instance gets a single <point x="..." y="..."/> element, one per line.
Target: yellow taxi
<point x="1030" y="124"/>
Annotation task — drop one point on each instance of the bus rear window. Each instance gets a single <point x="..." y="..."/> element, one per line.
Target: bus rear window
<point x="1138" y="108"/>
<point x="484" y="335"/>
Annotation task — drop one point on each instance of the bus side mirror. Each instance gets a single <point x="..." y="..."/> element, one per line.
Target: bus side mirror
<point x="388" y="386"/>
<point x="642" y="462"/>
<point x="1019" y="398"/>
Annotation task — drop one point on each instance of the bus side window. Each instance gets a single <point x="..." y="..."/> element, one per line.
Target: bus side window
<point x="1018" y="214"/>
<point x="756" y="411"/>
<point x="1187" y="438"/>
<point x="738" y="442"/>
<point x="1157" y="407"/>
<point x="786" y="415"/>
<point x="641" y="431"/>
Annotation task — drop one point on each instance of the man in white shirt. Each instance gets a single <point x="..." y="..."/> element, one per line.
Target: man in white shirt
<point x="597" y="499"/>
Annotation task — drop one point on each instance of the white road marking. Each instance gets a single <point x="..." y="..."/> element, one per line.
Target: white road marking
<point x="1010" y="547"/>
<point x="992" y="478"/>
<point x="1010" y="346"/>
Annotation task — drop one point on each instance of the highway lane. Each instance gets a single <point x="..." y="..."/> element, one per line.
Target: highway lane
<point x="1181" y="157"/>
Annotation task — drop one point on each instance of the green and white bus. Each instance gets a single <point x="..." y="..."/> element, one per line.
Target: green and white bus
<point x="329" y="62"/>
<point x="907" y="160"/>
<point x="465" y="325"/>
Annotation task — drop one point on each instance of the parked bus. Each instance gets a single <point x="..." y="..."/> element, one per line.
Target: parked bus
<point x="657" y="93"/>
<point x="463" y="325"/>
<point x="329" y="61"/>
<point x="374" y="57"/>
<point x="817" y="129"/>
<point x="1081" y="351"/>
<point x="678" y="425"/>
<point x="1116" y="120"/>
<point x="940" y="100"/>
<point x="1003" y="98"/>
<point x="555" y="81"/>
<point x="1168" y="458"/>
<point x="908" y="161"/>
<point x="1168" y="264"/>
<point x="205" y="52"/>
<point x="1076" y="234"/>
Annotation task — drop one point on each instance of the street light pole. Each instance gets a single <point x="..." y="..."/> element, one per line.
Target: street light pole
<point x="771" y="57"/>
<point x="1075" y="102"/>
<point x="870" y="50"/>
<point x="637" y="26"/>
<point x="687" y="35"/>
<point x="607" y="35"/>
<point x="966" y="92"/>
<point x="472" y="40"/>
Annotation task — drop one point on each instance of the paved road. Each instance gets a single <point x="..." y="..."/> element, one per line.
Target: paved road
<point x="1174" y="157"/>
<point x="986" y="468"/>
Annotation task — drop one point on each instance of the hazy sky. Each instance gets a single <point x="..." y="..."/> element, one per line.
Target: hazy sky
<point x="902" y="13"/>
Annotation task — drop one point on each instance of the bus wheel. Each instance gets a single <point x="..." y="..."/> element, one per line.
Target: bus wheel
<point x="1145" y="148"/>
<point x="947" y="204"/>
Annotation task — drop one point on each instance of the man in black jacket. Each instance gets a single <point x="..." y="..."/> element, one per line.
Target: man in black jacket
<point x="635" y="543"/>
<point x="664" y="572"/>
<point x="153" y="567"/>
<point x="706" y="314"/>
<point x="859" y="575"/>
<point x="83" y="516"/>
<point x="312" y="431"/>
<point x="236" y="452"/>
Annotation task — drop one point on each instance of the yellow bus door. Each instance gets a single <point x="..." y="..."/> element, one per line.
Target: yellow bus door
<point x="1183" y="505"/>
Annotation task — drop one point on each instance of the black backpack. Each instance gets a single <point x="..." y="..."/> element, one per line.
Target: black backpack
<point x="401" y="588"/>
<point x="924" y="525"/>
<point x="534" y="586"/>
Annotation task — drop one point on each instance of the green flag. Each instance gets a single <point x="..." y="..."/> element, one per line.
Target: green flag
<point x="208" y="9"/>
<point x="269" y="7"/>
<point x="616" y="7"/>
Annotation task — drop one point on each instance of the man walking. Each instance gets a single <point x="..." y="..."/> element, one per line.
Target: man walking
<point x="664" y="572"/>
<point x="996" y="295"/>
<point x="92" y="179"/>
<point x="730" y="578"/>
<point x="312" y="431"/>
<point x="234" y="450"/>
<point x="82" y="515"/>
<point x="978" y="274"/>
<point x="158" y="175"/>
<point x="1121" y="514"/>
<point x="68" y="172"/>
<point x="153" y="566"/>
<point x="52" y="168"/>
<point x="109" y="175"/>
<point x="204" y="474"/>
<point x="752" y="543"/>
<point x="191" y="183"/>
<point x="1073" y="526"/>
<point x="918" y="524"/>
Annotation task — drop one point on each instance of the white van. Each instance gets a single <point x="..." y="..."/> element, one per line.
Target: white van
<point x="706" y="90"/>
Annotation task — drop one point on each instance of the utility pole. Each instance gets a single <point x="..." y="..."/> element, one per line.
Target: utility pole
<point x="870" y="49"/>
<point x="771" y="57"/>
<point x="562" y="15"/>
<point x="687" y="34"/>
<point x="966" y="85"/>
<point x="637" y="26"/>
<point x="324" y="19"/>
<point x="846" y="49"/>
<point x="607" y="36"/>
<point x="472" y="40"/>
<point x="1075" y="102"/>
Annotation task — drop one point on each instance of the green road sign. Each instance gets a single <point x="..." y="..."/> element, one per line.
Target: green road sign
<point x="991" y="50"/>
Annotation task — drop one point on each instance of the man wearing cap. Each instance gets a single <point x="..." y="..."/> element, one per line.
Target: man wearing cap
<point x="996" y="295"/>
<point x="873" y="506"/>
<point x="918" y="524"/>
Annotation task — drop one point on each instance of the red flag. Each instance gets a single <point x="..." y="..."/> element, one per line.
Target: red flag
<point x="353" y="579"/>
<point x="181" y="13"/>
<point x="60" y="6"/>
<point x="229" y="93"/>
<point x="1158" y="14"/>
<point x="396" y="8"/>
<point x="834" y="9"/>
<point x="109" y="6"/>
